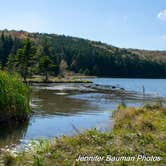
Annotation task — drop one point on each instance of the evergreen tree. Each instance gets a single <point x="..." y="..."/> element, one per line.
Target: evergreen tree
<point x="45" y="66"/>
<point x="11" y="63"/>
<point x="78" y="55"/>
<point x="6" y="44"/>
<point x="25" y="59"/>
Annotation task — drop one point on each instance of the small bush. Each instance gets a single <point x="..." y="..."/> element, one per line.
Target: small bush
<point x="14" y="97"/>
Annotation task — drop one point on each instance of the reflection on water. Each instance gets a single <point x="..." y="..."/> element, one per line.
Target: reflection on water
<point x="12" y="133"/>
<point x="49" y="102"/>
<point x="60" y="108"/>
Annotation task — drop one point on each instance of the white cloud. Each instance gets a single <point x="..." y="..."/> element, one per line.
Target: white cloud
<point x="162" y="15"/>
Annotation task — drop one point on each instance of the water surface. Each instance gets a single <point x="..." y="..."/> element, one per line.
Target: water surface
<point x="64" y="109"/>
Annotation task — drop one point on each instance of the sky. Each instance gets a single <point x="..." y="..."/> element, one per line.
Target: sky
<point x="122" y="23"/>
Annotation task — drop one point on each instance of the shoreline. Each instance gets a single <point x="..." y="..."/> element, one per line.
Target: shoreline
<point x="71" y="79"/>
<point x="31" y="81"/>
<point x="60" y="81"/>
<point x="136" y="132"/>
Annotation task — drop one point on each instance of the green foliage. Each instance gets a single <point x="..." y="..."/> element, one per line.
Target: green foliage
<point x="45" y="66"/>
<point x="86" y="72"/>
<point x="87" y="57"/>
<point x="25" y="57"/>
<point x="14" y="97"/>
<point x="136" y="131"/>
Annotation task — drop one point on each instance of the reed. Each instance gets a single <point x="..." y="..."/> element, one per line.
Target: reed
<point x="14" y="98"/>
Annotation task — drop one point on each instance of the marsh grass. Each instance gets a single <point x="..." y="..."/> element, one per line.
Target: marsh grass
<point x="136" y="131"/>
<point x="14" y="98"/>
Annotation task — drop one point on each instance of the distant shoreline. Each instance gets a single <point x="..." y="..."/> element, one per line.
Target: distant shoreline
<point x="40" y="79"/>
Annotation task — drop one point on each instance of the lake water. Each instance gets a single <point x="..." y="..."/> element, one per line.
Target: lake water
<point x="65" y="109"/>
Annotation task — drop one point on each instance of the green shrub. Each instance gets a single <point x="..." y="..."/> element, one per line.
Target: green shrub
<point x="14" y="97"/>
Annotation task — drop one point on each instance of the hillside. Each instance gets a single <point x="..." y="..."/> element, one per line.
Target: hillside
<point x="78" y="55"/>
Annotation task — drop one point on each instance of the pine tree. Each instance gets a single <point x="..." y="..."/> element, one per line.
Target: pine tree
<point x="45" y="66"/>
<point x="25" y="59"/>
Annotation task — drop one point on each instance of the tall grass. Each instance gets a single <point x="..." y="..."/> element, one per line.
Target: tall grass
<point x="14" y="97"/>
<point x="136" y="131"/>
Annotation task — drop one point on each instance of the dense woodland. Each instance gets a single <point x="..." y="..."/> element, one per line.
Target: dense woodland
<point x="50" y="54"/>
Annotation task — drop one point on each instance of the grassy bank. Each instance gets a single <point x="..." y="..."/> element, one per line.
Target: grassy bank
<point x="41" y="79"/>
<point x="137" y="132"/>
<point x="14" y="98"/>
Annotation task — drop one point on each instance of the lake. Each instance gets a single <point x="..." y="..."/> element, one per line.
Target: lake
<point x="66" y="109"/>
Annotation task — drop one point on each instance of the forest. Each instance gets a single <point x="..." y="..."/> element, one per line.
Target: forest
<point x="48" y="54"/>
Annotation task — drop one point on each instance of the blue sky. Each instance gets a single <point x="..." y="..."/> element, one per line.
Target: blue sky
<point x="123" y="23"/>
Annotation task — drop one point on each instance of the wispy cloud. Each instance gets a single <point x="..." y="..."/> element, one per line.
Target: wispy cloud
<point x="162" y="15"/>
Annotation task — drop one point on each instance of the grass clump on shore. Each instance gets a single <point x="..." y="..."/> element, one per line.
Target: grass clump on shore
<point x="139" y="133"/>
<point x="14" y="98"/>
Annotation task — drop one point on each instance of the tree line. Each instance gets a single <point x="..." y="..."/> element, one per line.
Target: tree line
<point x="44" y="54"/>
<point x="25" y="57"/>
